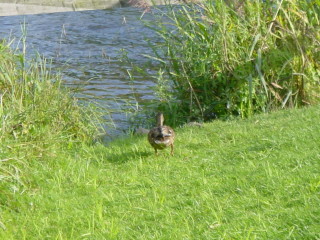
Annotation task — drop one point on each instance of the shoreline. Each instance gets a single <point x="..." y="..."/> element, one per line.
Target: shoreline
<point x="12" y="9"/>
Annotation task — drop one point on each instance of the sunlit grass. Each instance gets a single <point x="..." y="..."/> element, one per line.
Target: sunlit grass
<point x="241" y="179"/>
<point x="38" y="117"/>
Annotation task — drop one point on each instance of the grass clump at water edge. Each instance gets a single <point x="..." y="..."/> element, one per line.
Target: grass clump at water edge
<point x="236" y="58"/>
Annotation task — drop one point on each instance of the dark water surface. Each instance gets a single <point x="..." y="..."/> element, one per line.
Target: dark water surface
<point x="88" y="47"/>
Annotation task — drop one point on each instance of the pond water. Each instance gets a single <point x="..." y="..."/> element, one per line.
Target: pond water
<point x="88" y="48"/>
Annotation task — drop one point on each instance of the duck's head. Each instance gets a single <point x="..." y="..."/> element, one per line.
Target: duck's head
<point x="160" y="119"/>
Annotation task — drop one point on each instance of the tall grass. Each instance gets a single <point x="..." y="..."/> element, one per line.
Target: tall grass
<point x="223" y="59"/>
<point x="33" y="99"/>
<point x="38" y="117"/>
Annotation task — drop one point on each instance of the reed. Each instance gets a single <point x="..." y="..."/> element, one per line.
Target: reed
<point x="223" y="59"/>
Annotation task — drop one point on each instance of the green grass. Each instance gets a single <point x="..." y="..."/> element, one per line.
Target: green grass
<point x="39" y="121"/>
<point x="242" y="179"/>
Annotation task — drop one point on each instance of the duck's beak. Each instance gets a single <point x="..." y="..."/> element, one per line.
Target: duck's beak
<point x="162" y="142"/>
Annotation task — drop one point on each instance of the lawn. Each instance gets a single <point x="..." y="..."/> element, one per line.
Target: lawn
<point x="241" y="179"/>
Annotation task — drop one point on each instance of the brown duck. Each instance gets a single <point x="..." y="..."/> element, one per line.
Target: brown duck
<point x="161" y="136"/>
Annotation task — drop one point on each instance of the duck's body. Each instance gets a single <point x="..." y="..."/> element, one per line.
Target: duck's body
<point x="161" y="136"/>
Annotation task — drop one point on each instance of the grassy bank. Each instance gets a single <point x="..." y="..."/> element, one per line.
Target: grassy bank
<point x="253" y="179"/>
<point x="241" y="179"/>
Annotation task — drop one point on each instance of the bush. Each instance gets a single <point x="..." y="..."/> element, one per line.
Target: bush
<point x="224" y="60"/>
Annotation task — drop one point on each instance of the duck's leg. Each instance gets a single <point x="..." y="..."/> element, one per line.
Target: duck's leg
<point x="156" y="151"/>
<point x="172" y="149"/>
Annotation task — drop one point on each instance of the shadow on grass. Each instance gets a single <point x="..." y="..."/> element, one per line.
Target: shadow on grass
<point x="120" y="158"/>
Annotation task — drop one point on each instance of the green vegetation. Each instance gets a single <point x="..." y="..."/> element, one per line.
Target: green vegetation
<point x="241" y="179"/>
<point x="257" y="178"/>
<point x="37" y="118"/>
<point x="248" y="179"/>
<point x="33" y="100"/>
<point x="222" y="60"/>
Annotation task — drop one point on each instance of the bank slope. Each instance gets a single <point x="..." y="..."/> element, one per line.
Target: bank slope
<point x="241" y="179"/>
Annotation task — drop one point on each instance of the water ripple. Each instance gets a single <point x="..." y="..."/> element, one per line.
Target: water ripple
<point x="87" y="47"/>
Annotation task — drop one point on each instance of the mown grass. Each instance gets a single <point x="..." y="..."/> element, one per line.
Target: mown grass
<point x="240" y="179"/>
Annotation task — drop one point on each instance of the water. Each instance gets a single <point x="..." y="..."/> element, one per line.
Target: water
<point x="88" y="48"/>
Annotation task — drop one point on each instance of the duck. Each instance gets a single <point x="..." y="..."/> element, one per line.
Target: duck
<point x="161" y="136"/>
